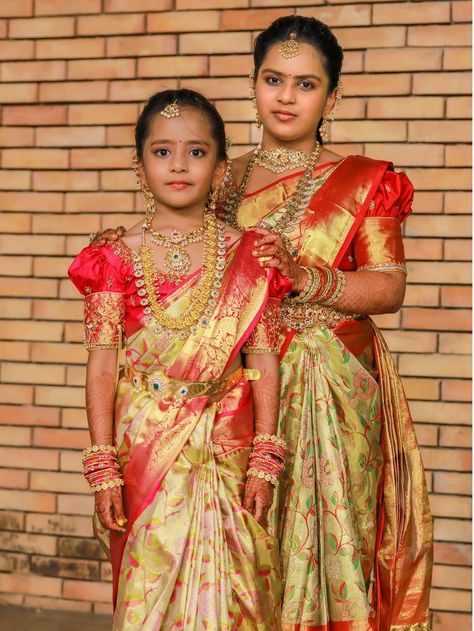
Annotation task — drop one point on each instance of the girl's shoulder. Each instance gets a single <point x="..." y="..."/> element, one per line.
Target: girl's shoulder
<point x="101" y="268"/>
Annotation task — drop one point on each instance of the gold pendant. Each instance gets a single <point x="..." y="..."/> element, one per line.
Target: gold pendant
<point x="177" y="263"/>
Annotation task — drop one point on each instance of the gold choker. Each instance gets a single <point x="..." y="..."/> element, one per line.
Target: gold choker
<point x="281" y="159"/>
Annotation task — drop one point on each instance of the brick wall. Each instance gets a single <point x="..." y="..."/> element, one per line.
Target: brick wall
<point x="70" y="90"/>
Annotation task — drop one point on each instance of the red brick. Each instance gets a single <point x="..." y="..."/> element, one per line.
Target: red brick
<point x="101" y="69"/>
<point x="98" y="203"/>
<point x="433" y="365"/>
<point x="462" y="11"/>
<point x="17" y="223"/>
<point x="70" y="136"/>
<point x="377" y="84"/>
<point x="437" y="319"/>
<point x="78" y="47"/>
<point x="421" y="388"/>
<point x="25" y="330"/>
<point x="25" y="415"/>
<point x="52" y="481"/>
<point x="443" y="131"/>
<point x="118" y="181"/>
<point x="14" y="350"/>
<point x="121" y="136"/>
<point x="103" y="114"/>
<point x="444" y="621"/>
<point x="35" y="158"/>
<point x="72" y="91"/>
<point x="28" y="287"/>
<point x="453" y="483"/>
<point x="401" y="59"/>
<point x="110" y="24"/>
<point x="41" y="28"/>
<point x="59" y="525"/>
<point x="419" y="341"/>
<point x="75" y="504"/>
<point x="64" y="396"/>
<point x="441" y="412"/>
<point x="202" y="43"/>
<point x="458" y="106"/>
<point x="142" y="46"/>
<point x="73" y="417"/>
<point x="457" y="577"/>
<point x="87" y="590"/>
<point x="254" y="19"/>
<point x="455" y="343"/>
<point x="439" y="226"/>
<point x="457" y="58"/>
<point x="449" y="83"/>
<point x="447" y="460"/>
<point x="101" y="158"/>
<point x="51" y="267"/>
<point x="16" y="8"/>
<point x="64" y="7"/>
<point x="34" y="584"/>
<point x="442" y="35"/>
<point x="371" y="37"/>
<point x="428" y="202"/>
<point x="65" y="438"/>
<point x="44" y="459"/>
<point x="124" y="6"/>
<point x="187" y="21"/>
<point x="57" y="604"/>
<point x="458" y="250"/>
<point x="458" y="156"/>
<point x="34" y="115"/>
<point x="11" y="49"/>
<point x="138" y="90"/>
<point x="406" y="107"/>
<point x="360" y="131"/>
<point x="11" y="479"/>
<point x="31" y="502"/>
<point x="221" y="4"/>
<point x="58" y="353"/>
<point x="32" y="373"/>
<point x="32" y="243"/>
<point x="18" y="93"/>
<point x="188" y="66"/>
<point x="455" y="437"/>
<point x="457" y="202"/>
<point x="456" y="390"/>
<point x="411" y="13"/>
<point x="33" y="71"/>
<point x="65" y="181"/>
<point x="57" y="310"/>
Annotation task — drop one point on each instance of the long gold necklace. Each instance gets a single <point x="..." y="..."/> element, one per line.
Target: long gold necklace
<point x="177" y="260"/>
<point x="280" y="159"/>
<point x="295" y="207"/>
<point x="205" y="294"/>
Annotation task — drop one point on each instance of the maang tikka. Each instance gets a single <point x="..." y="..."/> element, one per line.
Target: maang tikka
<point x="148" y="199"/>
<point x="290" y="47"/>
<point x="254" y="99"/>
<point x="327" y="120"/>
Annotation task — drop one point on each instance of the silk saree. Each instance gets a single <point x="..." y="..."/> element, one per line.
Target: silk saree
<point x="191" y="557"/>
<point x="352" y="514"/>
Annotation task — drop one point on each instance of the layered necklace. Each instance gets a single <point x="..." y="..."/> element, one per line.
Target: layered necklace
<point x="294" y="208"/>
<point x="177" y="260"/>
<point x="280" y="159"/>
<point x="204" y="296"/>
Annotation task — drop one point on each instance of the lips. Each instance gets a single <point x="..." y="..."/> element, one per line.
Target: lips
<point x="178" y="185"/>
<point x="284" y="115"/>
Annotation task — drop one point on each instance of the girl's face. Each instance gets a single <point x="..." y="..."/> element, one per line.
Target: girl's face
<point x="179" y="162"/>
<point x="292" y="94"/>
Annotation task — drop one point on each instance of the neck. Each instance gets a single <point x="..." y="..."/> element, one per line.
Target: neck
<point x="180" y="219"/>
<point x="306" y="145"/>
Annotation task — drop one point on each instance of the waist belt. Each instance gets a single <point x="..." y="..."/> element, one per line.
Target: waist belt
<point x="160" y="386"/>
<point x="308" y="315"/>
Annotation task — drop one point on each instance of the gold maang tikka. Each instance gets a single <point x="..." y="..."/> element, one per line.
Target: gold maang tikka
<point x="327" y="120"/>
<point x="148" y="199"/>
<point x="254" y="99"/>
<point x="172" y="110"/>
<point x="290" y="47"/>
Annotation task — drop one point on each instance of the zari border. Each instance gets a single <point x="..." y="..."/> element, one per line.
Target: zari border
<point x="418" y="626"/>
<point x="384" y="267"/>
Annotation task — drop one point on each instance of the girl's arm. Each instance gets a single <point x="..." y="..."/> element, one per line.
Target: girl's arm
<point x="266" y="393"/>
<point x="100" y="398"/>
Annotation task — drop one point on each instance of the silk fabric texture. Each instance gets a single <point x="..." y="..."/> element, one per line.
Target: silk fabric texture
<point x="352" y="513"/>
<point x="191" y="557"/>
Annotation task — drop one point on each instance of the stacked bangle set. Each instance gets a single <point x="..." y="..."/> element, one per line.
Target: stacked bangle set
<point x="267" y="458"/>
<point x="101" y="468"/>
<point x="325" y="285"/>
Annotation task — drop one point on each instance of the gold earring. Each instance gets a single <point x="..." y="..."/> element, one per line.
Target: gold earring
<point x="148" y="199"/>
<point x="211" y="204"/>
<point x="324" y="128"/>
<point x="254" y="100"/>
<point x="327" y="120"/>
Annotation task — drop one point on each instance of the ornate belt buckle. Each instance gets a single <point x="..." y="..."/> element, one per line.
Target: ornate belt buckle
<point x="158" y="385"/>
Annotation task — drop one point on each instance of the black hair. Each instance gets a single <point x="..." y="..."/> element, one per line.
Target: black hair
<point x="184" y="98"/>
<point x="307" y="30"/>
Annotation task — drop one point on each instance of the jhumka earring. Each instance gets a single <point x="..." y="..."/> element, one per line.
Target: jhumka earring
<point x="327" y="120"/>
<point x="211" y="204"/>
<point x="290" y="47"/>
<point x="254" y="99"/>
<point x="148" y="199"/>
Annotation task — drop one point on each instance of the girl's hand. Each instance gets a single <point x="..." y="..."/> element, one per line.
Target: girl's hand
<point x="109" y="508"/>
<point x="258" y="497"/>
<point x="109" y="234"/>
<point x="271" y="245"/>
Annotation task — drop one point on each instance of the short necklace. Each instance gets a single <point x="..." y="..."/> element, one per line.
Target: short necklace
<point x="280" y="159"/>
<point x="177" y="259"/>
<point x="205" y="294"/>
<point x="295" y="207"/>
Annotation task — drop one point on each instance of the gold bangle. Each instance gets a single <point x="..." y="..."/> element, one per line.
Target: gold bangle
<point x="255" y="473"/>
<point x="259" y="438"/>
<point x="107" y="485"/>
<point x="96" y="448"/>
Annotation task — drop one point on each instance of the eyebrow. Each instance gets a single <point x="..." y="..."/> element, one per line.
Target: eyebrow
<point x="297" y="76"/>
<point x="165" y="141"/>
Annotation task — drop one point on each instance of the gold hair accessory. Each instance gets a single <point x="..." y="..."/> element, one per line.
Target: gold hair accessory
<point x="254" y="99"/>
<point x="172" y="110"/>
<point x="148" y="199"/>
<point x="327" y="120"/>
<point x="289" y="47"/>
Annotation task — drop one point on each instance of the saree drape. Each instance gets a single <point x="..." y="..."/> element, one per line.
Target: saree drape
<point x="191" y="557"/>
<point x="352" y="513"/>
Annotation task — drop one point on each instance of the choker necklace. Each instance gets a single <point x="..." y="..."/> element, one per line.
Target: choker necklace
<point x="204" y="295"/>
<point x="294" y="207"/>
<point x="177" y="259"/>
<point x="280" y="159"/>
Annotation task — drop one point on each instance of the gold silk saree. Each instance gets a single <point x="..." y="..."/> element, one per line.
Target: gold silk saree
<point x="191" y="557"/>
<point x="352" y="514"/>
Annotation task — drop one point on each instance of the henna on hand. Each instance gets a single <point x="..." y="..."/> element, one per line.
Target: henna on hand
<point x="371" y="293"/>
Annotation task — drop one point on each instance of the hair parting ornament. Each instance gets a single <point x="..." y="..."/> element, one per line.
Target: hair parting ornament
<point x="172" y="110"/>
<point x="290" y="47"/>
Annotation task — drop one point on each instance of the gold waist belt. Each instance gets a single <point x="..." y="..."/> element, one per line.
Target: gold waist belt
<point x="160" y="386"/>
<point x="309" y="315"/>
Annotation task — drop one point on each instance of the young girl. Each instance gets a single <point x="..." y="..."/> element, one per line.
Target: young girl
<point x="185" y="297"/>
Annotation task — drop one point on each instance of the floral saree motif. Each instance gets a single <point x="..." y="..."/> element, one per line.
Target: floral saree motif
<point x="191" y="557"/>
<point x="352" y="513"/>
